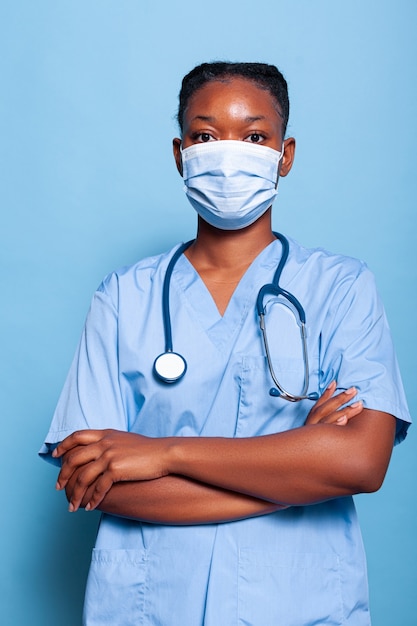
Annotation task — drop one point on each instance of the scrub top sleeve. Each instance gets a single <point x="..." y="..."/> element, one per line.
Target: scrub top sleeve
<point x="359" y="350"/>
<point x="91" y="395"/>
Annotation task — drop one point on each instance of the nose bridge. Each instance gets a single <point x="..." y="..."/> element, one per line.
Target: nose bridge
<point x="228" y="131"/>
<point x="229" y="134"/>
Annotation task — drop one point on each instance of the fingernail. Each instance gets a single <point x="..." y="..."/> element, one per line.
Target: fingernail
<point x="57" y="486"/>
<point x="87" y="507"/>
<point x="351" y="391"/>
<point x="356" y="404"/>
<point x="71" y="508"/>
<point x="341" y="419"/>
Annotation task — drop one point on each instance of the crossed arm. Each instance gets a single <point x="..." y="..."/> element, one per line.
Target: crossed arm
<point x="179" y="480"/>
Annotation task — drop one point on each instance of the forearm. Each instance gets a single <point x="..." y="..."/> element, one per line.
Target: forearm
<point x="179" y="500"/>
<point x="300" y="466"/>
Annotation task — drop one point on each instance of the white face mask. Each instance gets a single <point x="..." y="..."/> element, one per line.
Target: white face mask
<point x="230" y="183"/>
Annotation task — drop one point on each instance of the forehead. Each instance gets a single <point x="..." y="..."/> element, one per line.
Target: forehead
<point x="230" y="95"/>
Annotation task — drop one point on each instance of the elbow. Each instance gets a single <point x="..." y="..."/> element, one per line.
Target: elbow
<point x="370" y="483"/>
<point x="368" y="459"/>
<point x="367" y="476"/>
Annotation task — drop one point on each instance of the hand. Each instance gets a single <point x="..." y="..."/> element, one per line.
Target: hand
<point x="93" y="460"/>
<point x="327" y="409"/>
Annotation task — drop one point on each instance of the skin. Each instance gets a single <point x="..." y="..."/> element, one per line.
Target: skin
<point x="234" y="110"/>
<point x="200" y="480"/>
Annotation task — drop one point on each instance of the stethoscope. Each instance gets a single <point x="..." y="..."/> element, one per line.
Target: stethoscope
<point x="170" y="366"/>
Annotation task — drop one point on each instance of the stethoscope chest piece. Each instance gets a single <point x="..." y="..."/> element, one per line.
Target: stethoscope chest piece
<point x="170" y="367"/>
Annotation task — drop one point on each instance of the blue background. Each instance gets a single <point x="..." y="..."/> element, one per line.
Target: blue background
<point x="88" y="99"/>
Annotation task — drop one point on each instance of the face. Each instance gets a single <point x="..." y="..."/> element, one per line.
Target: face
<point x="237" y="109"/>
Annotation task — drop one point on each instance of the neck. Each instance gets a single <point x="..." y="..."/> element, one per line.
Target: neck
<point x="225" y="250"/>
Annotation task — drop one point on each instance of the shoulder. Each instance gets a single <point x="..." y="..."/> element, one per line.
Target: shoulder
<point x="321" y="259"/>
<point x="138" y="277"/>
<point x="329" y="272"/>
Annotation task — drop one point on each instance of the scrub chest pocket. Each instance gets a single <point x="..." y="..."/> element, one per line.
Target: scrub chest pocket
<point x="259" y="413"/>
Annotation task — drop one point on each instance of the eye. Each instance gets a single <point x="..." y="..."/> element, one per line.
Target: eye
<point x="202" y="137"/>
<point x="255" y="138"/>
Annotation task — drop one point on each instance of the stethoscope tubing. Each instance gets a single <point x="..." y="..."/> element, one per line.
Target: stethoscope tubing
<point x="166" y="314"/>
<point x="270" y="288"/>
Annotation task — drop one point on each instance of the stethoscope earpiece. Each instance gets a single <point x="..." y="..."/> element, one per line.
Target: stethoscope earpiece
<point x="275" y="393"/>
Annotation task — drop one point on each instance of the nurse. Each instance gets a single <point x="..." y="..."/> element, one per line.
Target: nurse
<point x="223" y="503"/>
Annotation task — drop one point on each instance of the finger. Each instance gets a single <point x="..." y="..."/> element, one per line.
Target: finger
<point x="67" y="444"/>
<point x="334" y="403"/>
<point x="101" y="488"/>
<point x="70" y="488"/>
<point x="326" y="404"/>
<point x="314" y="415"/>
<point x="327" y="394"/>
<point x="78" y="438"/>
<point x="342" y="420"/>
<point x="342" y="417"/>
<point x="82" y="482"/>
<point x="354" y="409"/>
<point x="75" y="459"/>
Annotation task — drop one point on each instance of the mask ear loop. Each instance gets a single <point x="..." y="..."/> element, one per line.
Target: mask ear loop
<point x="182" y="167"/>
<point x="279" y="164"/>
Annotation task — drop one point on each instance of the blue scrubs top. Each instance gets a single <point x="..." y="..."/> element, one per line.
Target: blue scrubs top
<point x="299" y="567"/>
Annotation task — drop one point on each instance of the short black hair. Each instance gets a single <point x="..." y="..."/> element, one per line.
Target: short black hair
<point x="265" y="76"/>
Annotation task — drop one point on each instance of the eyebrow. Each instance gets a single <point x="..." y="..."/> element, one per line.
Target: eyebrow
<point x="249" y="120"/>
<point x="204" y="118"/>
<point x="256" y="118"/>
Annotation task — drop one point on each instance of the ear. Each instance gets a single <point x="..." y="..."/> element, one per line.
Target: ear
<point x="176" y="146"/>
<point x="288" y="158"/>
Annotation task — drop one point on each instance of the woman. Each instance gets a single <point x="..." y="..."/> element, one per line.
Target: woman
<point x="225" y="502"/>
